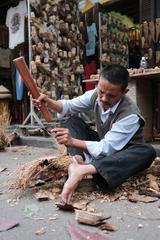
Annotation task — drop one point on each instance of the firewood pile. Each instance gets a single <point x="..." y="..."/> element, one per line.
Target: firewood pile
<point x="114" y="37"/>
<point x="57" y="48"/>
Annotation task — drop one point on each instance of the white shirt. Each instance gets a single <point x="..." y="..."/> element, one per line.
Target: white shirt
<point x="115" y="139"/>
<point x="15" y="22"/>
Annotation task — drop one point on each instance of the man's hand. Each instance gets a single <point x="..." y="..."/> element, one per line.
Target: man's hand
<point x="41" y="99"/>
<point x="63" y="136"/>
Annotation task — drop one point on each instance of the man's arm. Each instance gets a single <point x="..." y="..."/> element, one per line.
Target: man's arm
<point x="115" y="139"/>
<point x="78" y="104"/>
<point x="71" y="106"/>
<point x="56" y="106"/>
<point x="63" y="136"/>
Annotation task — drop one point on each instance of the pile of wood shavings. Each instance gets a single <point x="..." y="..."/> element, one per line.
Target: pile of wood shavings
<point x="49" y="169"/>
<point x="53" y="169"/>
<point x="147" y="184"/>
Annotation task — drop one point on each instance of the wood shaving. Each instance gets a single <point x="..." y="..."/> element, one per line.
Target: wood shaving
<point x="54" y="171"/>
<point x="50" y="169"/>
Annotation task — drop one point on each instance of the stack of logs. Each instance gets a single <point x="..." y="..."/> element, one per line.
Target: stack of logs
<point x="150" y="41"/>
<point x="114" y="37"/>
<point x="57" y="48"/>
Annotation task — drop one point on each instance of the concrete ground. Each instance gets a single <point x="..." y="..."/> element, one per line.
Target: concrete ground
<point x="135" y="221"/>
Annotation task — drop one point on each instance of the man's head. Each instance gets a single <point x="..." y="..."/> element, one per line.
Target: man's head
<point x="112" y="85"/>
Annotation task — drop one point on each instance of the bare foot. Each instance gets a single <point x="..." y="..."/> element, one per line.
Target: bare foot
<point x="76" y="173"/>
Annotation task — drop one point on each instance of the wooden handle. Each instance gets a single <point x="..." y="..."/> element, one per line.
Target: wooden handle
<point x="30" y="84"/>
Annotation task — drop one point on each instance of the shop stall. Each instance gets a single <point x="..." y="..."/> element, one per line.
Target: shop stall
<point x="47" y="34"/>
<point x="65" y="42"/>
<point x="13" y="43"/>
<point x="129" y="35"/>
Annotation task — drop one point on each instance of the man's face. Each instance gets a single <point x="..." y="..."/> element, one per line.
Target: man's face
<point x="109" y="94"/>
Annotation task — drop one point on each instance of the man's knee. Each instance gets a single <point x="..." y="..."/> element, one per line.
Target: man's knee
<point x="151" y="153"/>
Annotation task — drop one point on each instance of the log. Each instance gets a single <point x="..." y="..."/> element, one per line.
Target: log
<point x="30" y="84"/>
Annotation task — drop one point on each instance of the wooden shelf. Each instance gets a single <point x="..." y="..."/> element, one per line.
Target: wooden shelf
<point x="132" y="76"/>
<point x="145" y="74"/>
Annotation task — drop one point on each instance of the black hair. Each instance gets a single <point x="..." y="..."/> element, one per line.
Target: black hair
<point x="115" y="74"/>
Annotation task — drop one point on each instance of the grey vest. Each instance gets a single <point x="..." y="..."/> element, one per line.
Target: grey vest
<point x="125" y="108"/>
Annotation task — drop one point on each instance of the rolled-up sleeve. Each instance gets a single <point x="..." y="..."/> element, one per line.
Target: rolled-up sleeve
<point x="76" y="105"/>
<point x="115" y="139"/>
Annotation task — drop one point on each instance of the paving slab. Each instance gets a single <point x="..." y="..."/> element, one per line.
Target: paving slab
<point x="135" y="221"/>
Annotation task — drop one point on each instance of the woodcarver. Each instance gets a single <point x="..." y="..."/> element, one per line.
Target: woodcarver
<point x="117" y="150"/>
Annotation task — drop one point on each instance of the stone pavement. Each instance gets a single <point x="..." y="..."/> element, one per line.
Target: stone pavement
<point x="135" y="221"/>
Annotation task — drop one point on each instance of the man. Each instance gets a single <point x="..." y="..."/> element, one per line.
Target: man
<point x="118" y="151"/>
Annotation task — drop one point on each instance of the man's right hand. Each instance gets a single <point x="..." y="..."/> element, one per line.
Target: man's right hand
<point x="56" y="106"/>
<point x="41" y="99"/>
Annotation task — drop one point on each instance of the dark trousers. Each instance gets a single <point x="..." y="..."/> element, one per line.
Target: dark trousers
<point x="80" y="130"/>
<point x="112" y="170"/>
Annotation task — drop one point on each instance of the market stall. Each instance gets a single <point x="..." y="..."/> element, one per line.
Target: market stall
<point x="13" y="43"/>
<point x="129" y="35"/>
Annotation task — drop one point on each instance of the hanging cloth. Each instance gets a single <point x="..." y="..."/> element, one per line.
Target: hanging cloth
<point x="19" y="85"/>
<point x="89" y="69"/>
<point x="15" y="22"/>
<point x="91" y="44"/>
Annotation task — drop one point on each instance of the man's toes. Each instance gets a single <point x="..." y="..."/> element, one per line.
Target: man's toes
<point x="69" y="199"/>
<point x="66" y="196"/>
